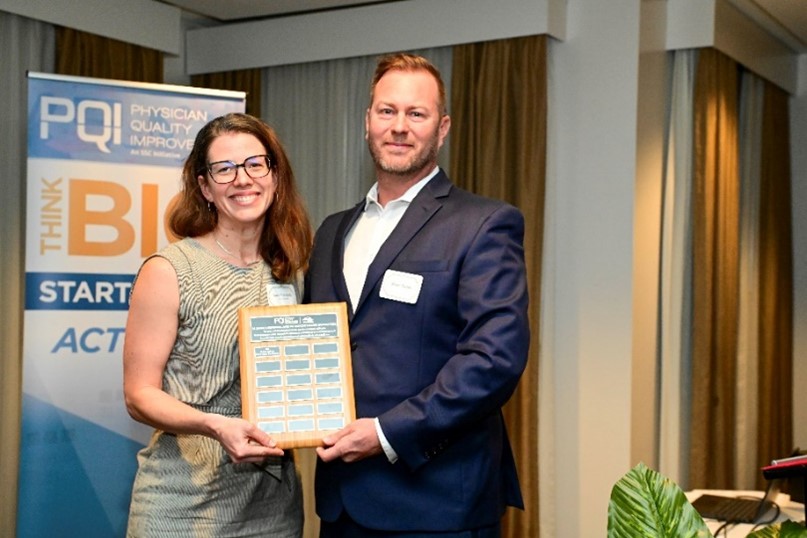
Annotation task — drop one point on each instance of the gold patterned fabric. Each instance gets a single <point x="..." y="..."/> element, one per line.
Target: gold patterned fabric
<point x="715" y="271"/>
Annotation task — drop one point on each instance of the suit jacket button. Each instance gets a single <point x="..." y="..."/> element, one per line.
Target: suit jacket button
<point x="353" y="346"/>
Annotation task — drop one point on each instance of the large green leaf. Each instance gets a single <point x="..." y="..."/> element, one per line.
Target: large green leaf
<point x="788" y="529"/>
<point x="645" y="504"/>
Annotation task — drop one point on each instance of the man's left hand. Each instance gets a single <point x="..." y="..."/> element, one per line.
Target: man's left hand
<point x="356" y="441"/>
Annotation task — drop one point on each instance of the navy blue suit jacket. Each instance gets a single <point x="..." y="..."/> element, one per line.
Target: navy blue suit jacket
<point x="436" y="373"/>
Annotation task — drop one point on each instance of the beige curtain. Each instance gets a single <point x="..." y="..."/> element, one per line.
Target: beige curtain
<point x="775" y="283"/>
<point x="715" y="275"/>
<point x="675" y="275"/>
<point x="27" y="45"/>
<point x="717" y="287"/>
<point x="87" y="55"/>
<point x="498" y="149"/>
<point x="245" y="80"/>
<point x="747" y="402"/>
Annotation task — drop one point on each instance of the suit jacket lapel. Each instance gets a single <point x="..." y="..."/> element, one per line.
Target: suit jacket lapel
<point x="422" y="208"/>
<point x="338" y="254"/>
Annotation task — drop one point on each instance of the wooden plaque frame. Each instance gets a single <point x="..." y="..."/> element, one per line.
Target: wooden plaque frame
<point x="296" y="374"/>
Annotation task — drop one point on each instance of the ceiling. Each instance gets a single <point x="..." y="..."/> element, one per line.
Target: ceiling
<point x="786" y="19"/>
<point x="240" y="10"/>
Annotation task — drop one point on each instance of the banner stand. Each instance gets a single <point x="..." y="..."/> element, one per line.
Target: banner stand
<point x="104" y="163"/>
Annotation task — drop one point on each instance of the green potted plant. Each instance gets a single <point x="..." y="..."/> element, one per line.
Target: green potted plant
<point x="646" y="504"/>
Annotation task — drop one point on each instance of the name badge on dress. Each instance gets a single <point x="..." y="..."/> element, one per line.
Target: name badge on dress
<point x="280" y="294"/>
<point x="400" y="286"/>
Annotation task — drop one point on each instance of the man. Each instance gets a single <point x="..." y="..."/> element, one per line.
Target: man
<point x="435" y="282"/>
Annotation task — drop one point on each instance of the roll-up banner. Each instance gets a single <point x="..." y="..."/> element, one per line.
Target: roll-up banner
<point x="104" y="163"/>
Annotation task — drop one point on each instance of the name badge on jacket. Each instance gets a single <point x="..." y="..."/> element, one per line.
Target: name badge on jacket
<point x="400" y="286"/>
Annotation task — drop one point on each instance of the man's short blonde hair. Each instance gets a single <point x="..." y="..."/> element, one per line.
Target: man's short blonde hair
<point x="404" y="61"/>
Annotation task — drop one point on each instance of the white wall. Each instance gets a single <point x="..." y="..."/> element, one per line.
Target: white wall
<point x="142" y="22"/>
<point x="368" y="30"/>
<point x="592" y="168"/>
<point x="651" y="132"/>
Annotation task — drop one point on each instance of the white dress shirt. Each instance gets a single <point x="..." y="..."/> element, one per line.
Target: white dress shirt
<point x="362" y="243"/>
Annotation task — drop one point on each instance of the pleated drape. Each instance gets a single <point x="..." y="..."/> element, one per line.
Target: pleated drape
<point x="244" y="80"/>
<point x="715" y="275"/>
<point x="27" y="45"/>
<point x="87" y="55"/>
<point x="498" y="149"/>
<point x="742" y="293"/>
<point x="747" y="400"/>
<point x="675" y="302"/>
<point x="775" y="427"/>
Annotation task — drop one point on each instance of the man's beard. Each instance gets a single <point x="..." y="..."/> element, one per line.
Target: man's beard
<point x="415" y="164"/>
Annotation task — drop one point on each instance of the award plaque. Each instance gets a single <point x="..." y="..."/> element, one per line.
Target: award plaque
<point x="296" y="376"/>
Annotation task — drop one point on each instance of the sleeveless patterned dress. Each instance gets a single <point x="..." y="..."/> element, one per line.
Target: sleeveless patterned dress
<point x="186" y="485"/>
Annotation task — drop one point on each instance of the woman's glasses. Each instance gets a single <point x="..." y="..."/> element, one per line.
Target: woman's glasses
<point x="223" y="172"/>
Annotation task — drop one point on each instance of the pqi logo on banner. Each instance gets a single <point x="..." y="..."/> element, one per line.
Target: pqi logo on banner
<point x="70" y="118"/>
<point x="96" y="122"/>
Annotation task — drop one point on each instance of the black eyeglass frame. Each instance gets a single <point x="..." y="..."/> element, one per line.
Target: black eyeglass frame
<point x="243" y="165"/>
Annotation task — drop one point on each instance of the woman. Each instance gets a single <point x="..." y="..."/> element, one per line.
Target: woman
<point x="245" y="240"/>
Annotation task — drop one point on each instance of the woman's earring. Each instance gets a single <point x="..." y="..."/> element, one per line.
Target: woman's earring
<point x="210" y="207"/>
